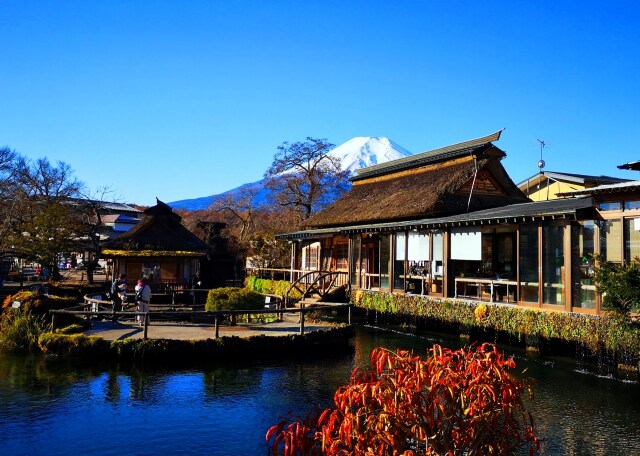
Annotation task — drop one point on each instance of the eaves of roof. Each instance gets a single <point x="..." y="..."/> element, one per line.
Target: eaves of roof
<point x="513" y="213"/>
<point x="570" y="177"/>
<point x="112" y="253"/>
<point x="630" y="186"/>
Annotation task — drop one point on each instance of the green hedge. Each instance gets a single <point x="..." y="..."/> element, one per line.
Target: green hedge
<point x="595" y="333"/>
<point x="273" y="287"/>
<point x="230" y="298"/>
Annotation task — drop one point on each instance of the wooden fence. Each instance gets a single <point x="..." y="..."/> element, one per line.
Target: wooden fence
<point x="93" y="307"/>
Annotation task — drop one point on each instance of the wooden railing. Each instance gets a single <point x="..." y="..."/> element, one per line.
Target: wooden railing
<point x="272" y="273"/>
<point x="318" y="282"/>
<point x="215" y="316"/>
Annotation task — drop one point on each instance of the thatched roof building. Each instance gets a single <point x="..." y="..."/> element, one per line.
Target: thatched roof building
<point x="455" y="179"/>
<point x="160" y="233"/>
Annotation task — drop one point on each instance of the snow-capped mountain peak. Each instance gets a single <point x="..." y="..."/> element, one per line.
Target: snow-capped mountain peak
<point x="358" y="152"/>
<point x="364" y="151"/>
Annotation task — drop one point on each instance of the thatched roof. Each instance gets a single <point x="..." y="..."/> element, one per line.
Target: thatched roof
<point x="433" y="185"/>
<point x="556" y="209"/>
<point x="160" y="231"/>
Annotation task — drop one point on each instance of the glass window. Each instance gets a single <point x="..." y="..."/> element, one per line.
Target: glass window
<point x="311" y="256"/>
<point x="629" y="205"/>
<point x="529" y="263"/>
<point x="582" y="249"/>
<point x="342" y="255"/>
<point x="418" y="247"/>
<point x="553" y="264"/>
<point x="355" y="260"/>
<point x="611" y="206"/>
<point x="437" y="267"/>
<point x="631" y="238"/>
<point x="399" y="263"/>
<point x="437" y="253"/>
<point x="385" y="257"/>
<point x="611" y="240"/>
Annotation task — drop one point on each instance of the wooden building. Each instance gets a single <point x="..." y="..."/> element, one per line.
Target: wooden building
<point x="159" y="248"/>
<point x="451" y="223"/>
<point x="546" y="185"/>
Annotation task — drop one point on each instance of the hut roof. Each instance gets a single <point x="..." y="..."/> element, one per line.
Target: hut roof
<point x="159" y="231"/>
<point x="437" y="183"/>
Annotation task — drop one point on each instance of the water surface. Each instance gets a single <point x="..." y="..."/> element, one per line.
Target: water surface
<point x="54" y="408"/>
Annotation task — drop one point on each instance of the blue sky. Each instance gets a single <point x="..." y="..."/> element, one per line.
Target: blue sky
<point x="182" y="99"/>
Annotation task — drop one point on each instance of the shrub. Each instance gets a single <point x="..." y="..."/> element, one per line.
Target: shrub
<point x="274" y="287"/>
<point x="453" y="402"/>
<point x="76" y="344"/>
<point x="619" y="285"/>
<point x="594" y="333"/>
<point x="74" y="328"/>
<point x="20" y="330"/>
<point x="35" y="302"/>
<point x="229" y="298"/>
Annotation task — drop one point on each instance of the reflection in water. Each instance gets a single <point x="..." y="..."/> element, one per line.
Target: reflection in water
<point x="61" y="407"/>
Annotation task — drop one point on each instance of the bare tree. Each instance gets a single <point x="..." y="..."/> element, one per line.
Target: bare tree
<point x="8" y="163"/>
<point x="304" y="178"/>
<point x="90" y="209"/>
<point x="43" y="224"/>
<point x="239" y="210"/>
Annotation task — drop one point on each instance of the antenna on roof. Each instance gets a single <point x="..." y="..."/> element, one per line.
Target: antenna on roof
<point x="541" y="162"/>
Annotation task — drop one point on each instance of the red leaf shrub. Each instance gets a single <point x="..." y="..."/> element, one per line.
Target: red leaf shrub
<point x="451" y="403"/>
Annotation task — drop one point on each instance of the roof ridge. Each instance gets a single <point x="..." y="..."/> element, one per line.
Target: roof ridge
<point x="430" y="153"/>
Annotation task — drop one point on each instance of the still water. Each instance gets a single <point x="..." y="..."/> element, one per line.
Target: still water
<point x="49" y="407"/>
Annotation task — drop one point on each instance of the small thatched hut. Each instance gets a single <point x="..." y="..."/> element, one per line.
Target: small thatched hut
<point x="159" y="248"/>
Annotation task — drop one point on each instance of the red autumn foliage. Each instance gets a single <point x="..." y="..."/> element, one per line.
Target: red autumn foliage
<point x="451" y="403"/>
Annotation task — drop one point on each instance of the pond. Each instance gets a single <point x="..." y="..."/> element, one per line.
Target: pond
<point x="62" y="407"/>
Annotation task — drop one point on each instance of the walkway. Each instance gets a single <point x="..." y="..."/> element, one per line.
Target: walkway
<point x="194" y="331"/>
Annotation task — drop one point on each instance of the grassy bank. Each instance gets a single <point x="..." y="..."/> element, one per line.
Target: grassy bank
<point x="619" y="338"/>
<point x="224" y="348"/>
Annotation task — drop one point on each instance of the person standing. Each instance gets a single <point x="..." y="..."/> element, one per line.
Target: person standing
<point x="123" y="288"/>
<point x="196" y="281"/>
<point x="116" y="298"/>
<point x="143" y="297"/>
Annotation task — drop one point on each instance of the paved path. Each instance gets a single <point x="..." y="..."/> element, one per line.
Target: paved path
<point x="195" y="331"/>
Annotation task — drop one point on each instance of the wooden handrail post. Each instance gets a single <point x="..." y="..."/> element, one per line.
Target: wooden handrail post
<point x="302" y="319"/>
<point x="216" y="323"/>
<point x="349" y="315"/>
<point x="146" y="325"/>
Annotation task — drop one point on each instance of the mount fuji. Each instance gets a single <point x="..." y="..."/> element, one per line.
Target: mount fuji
<point x="358" y="152"/>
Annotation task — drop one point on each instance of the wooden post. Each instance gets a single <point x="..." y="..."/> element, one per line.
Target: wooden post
<point x="349" y="315"/>
<point x="217" y="326"/>
<point x="53" y="322"/>
<point x="146" y="325"/>
<point x="302" y="319"/>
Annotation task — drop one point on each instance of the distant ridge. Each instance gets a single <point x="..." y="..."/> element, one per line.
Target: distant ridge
<point x="359" y="152"/>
